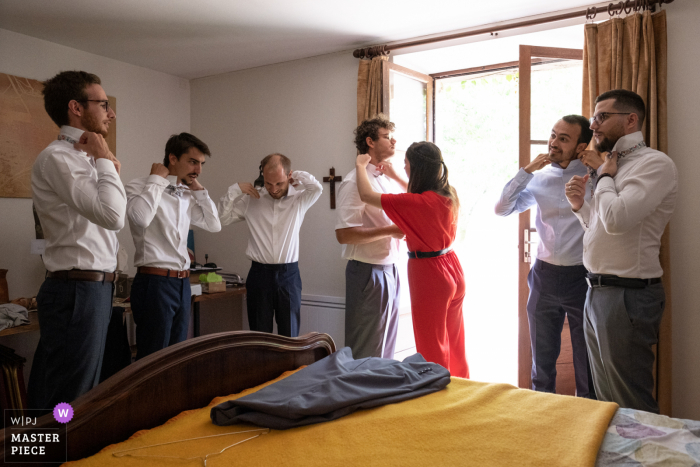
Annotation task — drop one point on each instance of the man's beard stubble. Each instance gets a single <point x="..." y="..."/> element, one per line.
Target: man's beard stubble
<point x="90" y="123"/>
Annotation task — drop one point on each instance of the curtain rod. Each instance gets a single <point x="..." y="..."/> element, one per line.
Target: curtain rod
<point x="590" y="13"/>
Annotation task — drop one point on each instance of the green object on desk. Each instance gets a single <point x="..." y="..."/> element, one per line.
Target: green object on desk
<point x="211" y="277"/>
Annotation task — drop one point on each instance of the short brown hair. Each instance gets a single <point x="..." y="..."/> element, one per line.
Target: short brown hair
<point x="178" y="145"/>
<point x="370" y="128"/>
<point x="63" y="88"/>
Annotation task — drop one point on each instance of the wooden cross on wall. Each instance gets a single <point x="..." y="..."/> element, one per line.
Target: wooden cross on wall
<point x="332" y="178"/>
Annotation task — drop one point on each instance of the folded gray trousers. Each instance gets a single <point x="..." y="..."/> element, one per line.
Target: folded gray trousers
<point x="331" y="388"/>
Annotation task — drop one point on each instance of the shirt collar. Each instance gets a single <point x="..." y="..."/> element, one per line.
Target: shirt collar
<point x="71" y="132"/>
<point x="373" y="170"/>
<point x="573" y="166"/>
<point x="628" y="141"/>
<point x="172" y="180"/>
<point x="291" y="191"/>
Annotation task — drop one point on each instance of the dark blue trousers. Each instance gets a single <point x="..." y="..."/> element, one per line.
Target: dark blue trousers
<point x="274" y="290"/>
<point x="73" y="321"/>
<point x="161" y="309"/>
<point x="555" y="293"/>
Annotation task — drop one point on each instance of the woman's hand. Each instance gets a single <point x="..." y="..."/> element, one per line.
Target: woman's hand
<point x="362" y="160"/>
<point x="387" y="168"/>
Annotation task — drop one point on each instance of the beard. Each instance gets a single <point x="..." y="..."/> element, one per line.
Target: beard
<point x="610" y="139"/>
<point x="562" y="156"/>
<point x="606" y="145"/>
<point x="93" y="124"/>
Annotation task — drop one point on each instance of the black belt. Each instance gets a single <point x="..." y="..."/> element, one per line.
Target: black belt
<point x="598" y="280"/>
<point x="82" y="275"/>
<point x="428" y="254"/>
<point x="275" y="266"/>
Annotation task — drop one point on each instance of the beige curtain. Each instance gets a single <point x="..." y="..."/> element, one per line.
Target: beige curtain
<point x="630" y="53"/>
<point x="369" y="88"/>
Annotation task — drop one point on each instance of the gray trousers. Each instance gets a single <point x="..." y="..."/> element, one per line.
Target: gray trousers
<point x="621" y="326"/>
<point x="371" y="309"/>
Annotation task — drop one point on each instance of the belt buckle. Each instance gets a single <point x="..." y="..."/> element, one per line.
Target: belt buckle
<point x="592" y="284"/>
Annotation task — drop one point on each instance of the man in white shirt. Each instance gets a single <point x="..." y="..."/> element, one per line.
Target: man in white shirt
<point x="274" y="214"/>
<point x="81" y="204"/>
<point x="557" y="280"/>
<point x="634" y="197"/>
<point x="371" y="245"/>
<point x="161" y="208"/>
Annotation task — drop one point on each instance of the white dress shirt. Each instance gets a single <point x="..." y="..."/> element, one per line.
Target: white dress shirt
<point x="81" y="205"/>
<point x="561" y="235"/>
<point x="273" y="224"/>
<point x="628" y="214"/>
<point x="160" y="220"/>
<point x="353" y="212"/>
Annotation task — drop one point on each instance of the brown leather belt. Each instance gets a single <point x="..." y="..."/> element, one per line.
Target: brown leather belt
<point x="164" y="272"/>
<point x="82" y="275"/>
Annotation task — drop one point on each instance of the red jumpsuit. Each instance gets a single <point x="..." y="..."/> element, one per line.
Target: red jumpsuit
<point x="436" y="284"/>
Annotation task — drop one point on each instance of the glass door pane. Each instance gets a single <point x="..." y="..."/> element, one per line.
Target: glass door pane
<point x="408" y="110"/>
<point x="475" y="118"/>
<point x="407" y="102"/>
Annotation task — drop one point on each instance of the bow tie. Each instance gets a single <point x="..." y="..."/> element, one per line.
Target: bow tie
<point x="176" y="190"/>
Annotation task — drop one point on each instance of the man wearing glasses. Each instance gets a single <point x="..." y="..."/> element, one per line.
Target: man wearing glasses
<point x="371" y="245"/>
<point x="634" y="195"/>
<point x="81" y="205"/>
<point x="557" y="280"/>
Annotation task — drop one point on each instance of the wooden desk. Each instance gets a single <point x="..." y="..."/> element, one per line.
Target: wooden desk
<point x="205" y="297"/>
<point x="32" y="326"/>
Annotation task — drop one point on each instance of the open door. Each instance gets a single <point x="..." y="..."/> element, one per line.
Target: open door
<point x="531" y="122"/>
<point x="408" y="102"/>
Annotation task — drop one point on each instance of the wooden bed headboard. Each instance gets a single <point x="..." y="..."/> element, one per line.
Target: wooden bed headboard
<point x="182" y="377"/>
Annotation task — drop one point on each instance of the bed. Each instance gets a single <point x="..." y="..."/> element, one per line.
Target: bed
<point x="180" y="384"/>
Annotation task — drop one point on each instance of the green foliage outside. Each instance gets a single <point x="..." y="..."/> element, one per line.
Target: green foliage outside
<point x="477" y="127"/>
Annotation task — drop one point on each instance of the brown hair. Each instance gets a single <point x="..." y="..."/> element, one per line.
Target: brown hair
<point x="370" y="128"/>
<point x="177" y="145"/>
<point x="65" y="87"/>
<point x="429" y="173"/>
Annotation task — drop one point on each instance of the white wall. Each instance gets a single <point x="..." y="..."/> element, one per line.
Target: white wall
<point x="305" y="109"/>
<point x="683" y="105"/>
<point x="150" y="107"/>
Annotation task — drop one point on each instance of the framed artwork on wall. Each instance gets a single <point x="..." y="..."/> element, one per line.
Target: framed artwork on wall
<point x="25" y="130"/>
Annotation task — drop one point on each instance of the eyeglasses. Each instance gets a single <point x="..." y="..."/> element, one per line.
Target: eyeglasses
<point x="601" y="117"/>
<point x="103" y="103"/>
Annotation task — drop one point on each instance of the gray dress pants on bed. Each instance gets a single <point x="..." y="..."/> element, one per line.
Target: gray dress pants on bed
<point x="371" y="309"/>
<point x="622" y="325"/>
<point x="332" y="388"/>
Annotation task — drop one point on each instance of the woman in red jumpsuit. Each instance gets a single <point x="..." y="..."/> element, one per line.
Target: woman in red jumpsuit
<point x="427" y="214"/>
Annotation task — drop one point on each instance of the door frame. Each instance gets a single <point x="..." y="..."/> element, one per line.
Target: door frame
<point x="528" y="53"/>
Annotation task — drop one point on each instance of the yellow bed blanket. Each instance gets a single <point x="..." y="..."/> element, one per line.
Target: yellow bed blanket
<point x="468" y="423"/>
